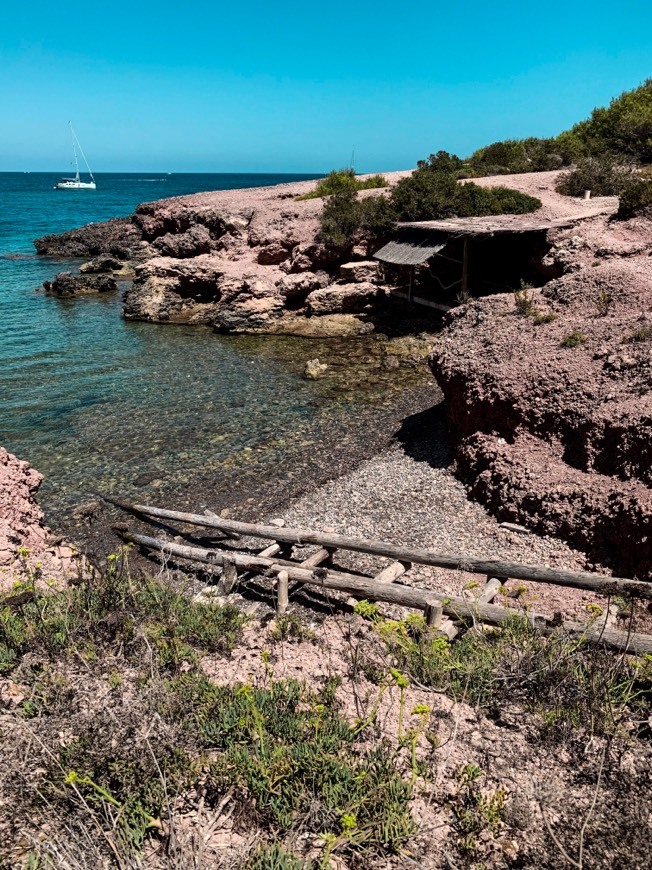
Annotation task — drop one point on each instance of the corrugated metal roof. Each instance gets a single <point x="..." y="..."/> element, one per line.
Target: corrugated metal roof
<point x="411" y="248"/>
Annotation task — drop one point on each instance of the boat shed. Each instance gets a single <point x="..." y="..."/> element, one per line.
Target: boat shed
<point x="501" y="246"/>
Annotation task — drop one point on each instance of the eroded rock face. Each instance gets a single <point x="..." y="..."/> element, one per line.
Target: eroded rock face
<point x="67" y="284"/>
<point x="102" y="263"/>
<point x="551" y="409"/>
<point x="25" y="540"/>
<point x="367" y="271"/>
<point x="193" y="242"/>
<point x="119" y="237"/>
<point x="342" y="298"/>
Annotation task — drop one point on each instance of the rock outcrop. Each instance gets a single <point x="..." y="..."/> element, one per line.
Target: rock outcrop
<point x="549" y="395"/>
<point x="241" y="261"/>
<point x="119" y="237"/>
<point x="27" y="547"/>
<point x="67" y="284"/>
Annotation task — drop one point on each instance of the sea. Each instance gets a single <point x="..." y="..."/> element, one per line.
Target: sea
<point x="102" y="405"/>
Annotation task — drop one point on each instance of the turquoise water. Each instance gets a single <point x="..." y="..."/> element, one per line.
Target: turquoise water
<point x="100" y="404"/>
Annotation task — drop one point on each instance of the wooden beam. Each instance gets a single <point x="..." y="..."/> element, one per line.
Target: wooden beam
<point x="282" y="593"/>
<point x="492" y="567"/>
<point x="407" y="596"/>
<point x="489" y="591"/>
<point x="392" y="572"/>
<point x="465" y="268"/>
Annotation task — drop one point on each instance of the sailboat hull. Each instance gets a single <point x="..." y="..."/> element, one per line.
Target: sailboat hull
<point x="66" y="184"/>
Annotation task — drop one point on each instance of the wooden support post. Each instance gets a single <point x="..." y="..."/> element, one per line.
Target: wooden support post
<point x="411" y="285"/>
<point x="465" y="268"/>
<point x="392" y="572"/>
<point x="433" y="612"/>
<point x="270" y="551"/>
<point x="387" y="575"/>
<point x="282" y="594"/>
<point x="229" y="575"/>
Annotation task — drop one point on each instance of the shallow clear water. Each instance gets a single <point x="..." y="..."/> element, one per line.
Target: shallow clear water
<point x="100" y="404"/>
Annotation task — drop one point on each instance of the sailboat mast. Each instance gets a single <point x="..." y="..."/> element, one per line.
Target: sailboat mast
<point x="74" y="150"/>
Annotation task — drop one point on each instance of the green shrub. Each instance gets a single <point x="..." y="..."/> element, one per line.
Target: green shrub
<point x="340" y="220"/>
<point x="623" y="128"/>
<point x="428" y="195"/>
<point x="105" y="610"/>
<point x="643" y="333"/>
<point x="442" y="161"/>
<point x="573" y="339"/>
<point x="341" y="180"/>
<point x="635" y="200"/>
<point x="603" y="176"/>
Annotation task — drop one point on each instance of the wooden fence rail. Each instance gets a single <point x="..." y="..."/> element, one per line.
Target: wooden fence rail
<point x="489" y="567"/>
<point x="407" y="596"/>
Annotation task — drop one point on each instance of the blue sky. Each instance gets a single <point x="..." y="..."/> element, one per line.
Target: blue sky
<point x="288" y="86"/>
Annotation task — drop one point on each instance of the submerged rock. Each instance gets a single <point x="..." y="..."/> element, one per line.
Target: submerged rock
<point x="314" y="369"/>
<point x="67" y="284"/>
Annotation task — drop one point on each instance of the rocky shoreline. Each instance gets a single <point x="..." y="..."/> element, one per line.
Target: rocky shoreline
<point x="546" y="391"/>
<point x="548" y="394"/>
<point x="239" y="261"/>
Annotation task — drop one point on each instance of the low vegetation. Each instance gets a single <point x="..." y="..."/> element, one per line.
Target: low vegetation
<point x="636" y="200"/>
<point x="118" y="730"/>
<point x="603" y="176"/>
<point x="573" y="339"/>
<point x="342" y="180"/>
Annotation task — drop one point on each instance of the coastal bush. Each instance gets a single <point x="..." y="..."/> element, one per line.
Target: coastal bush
<point x="603" y="176"/>
<point x="623" y="129"/>
<point x="340" y="220"/>
<point x="345" y="217"/>
<point x="518" y="155"/>
<point x="636" y="199"/>
<point x="341" y="180"/>
<point x="429" y="195"/>
<point x="105" y="609"/>
<point x="573" y="339"/>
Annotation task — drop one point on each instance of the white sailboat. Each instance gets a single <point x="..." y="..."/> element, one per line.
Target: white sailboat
<point x="76" y="183"/>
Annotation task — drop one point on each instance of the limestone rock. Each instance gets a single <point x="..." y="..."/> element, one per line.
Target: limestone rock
<point x="295" y="288"/>
<point x="195" y="241"/>
<point x="314" y="369"/>
<point x="344" y="298"/>
<point x="102" y="263"/>
<point x="273" y="254"/>
<point x="358" y="272"/>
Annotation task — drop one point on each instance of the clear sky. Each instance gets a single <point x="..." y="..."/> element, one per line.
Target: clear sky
<point x="287" y="86"/>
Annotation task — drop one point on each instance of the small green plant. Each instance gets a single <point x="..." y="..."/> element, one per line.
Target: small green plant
<point x="367" y="609"/>
<point x="603" y="302"/>
<point x="643" y="333"/>
<point x="547" y="317"/>
<point x="343" y="179"/>
<point x="476" y="810"/>
<point x="573" y="339"/>
<point x="524" y="300"/>
<point x="290" y="627"/>
<point x="274" y="856"/>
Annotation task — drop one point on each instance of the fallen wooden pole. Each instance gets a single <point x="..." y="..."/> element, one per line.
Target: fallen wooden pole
<point x="490" y="567"/>
<point x="393" y="593"/>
